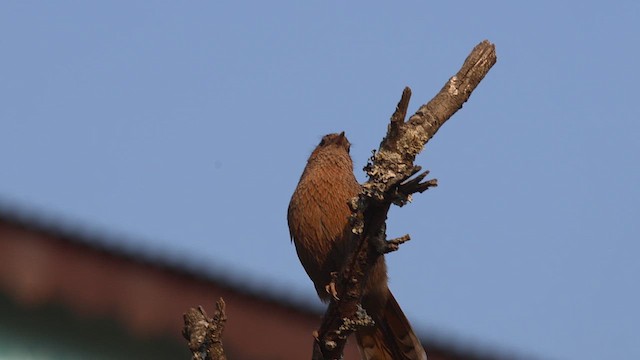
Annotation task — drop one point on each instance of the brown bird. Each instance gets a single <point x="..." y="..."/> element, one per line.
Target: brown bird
<point x="318" y="219"/>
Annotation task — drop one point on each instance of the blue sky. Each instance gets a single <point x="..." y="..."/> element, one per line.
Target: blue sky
<point x="184" y="127"/>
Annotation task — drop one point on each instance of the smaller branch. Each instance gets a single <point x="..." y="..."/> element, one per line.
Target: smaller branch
<point x="204" y="334"/>
<point x="415" y="185"/>
<point x="403" y="193"/>
<point x="394" y="244"/>
<point x="401" y="109"/>
<point x="383" y="246"/>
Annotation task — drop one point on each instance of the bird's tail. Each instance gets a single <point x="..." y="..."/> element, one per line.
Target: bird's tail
<point x="392" y="337"/>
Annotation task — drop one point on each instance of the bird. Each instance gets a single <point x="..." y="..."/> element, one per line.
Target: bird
<point x="318" y="219"/>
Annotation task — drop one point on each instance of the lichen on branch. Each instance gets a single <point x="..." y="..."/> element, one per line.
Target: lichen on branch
<point x="390" y="170"/>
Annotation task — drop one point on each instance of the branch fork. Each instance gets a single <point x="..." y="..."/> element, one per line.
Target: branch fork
<point x="390" y="170"/>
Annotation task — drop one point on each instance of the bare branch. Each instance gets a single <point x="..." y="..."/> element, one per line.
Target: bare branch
<point x="389" y="172"/>
<point x="205" y="334"/>
<point x="394" y="244"/>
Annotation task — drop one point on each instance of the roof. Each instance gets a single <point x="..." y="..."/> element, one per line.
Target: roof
<point x="103" y="248"/>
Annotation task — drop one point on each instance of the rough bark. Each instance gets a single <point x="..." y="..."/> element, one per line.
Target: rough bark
<point x="389" y="171"/>
<point x="204" y="334"/>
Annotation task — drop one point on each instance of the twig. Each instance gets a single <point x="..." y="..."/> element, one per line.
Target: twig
<point x="205" y="334"/>
<point x="389" y="172"/>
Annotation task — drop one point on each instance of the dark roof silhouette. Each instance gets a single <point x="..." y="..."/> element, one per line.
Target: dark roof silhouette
<point x="45" y="261"/>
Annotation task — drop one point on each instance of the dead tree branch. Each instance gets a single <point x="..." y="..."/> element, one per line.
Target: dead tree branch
<point x="204" y="334"/>
<point x="390" y="170"/>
